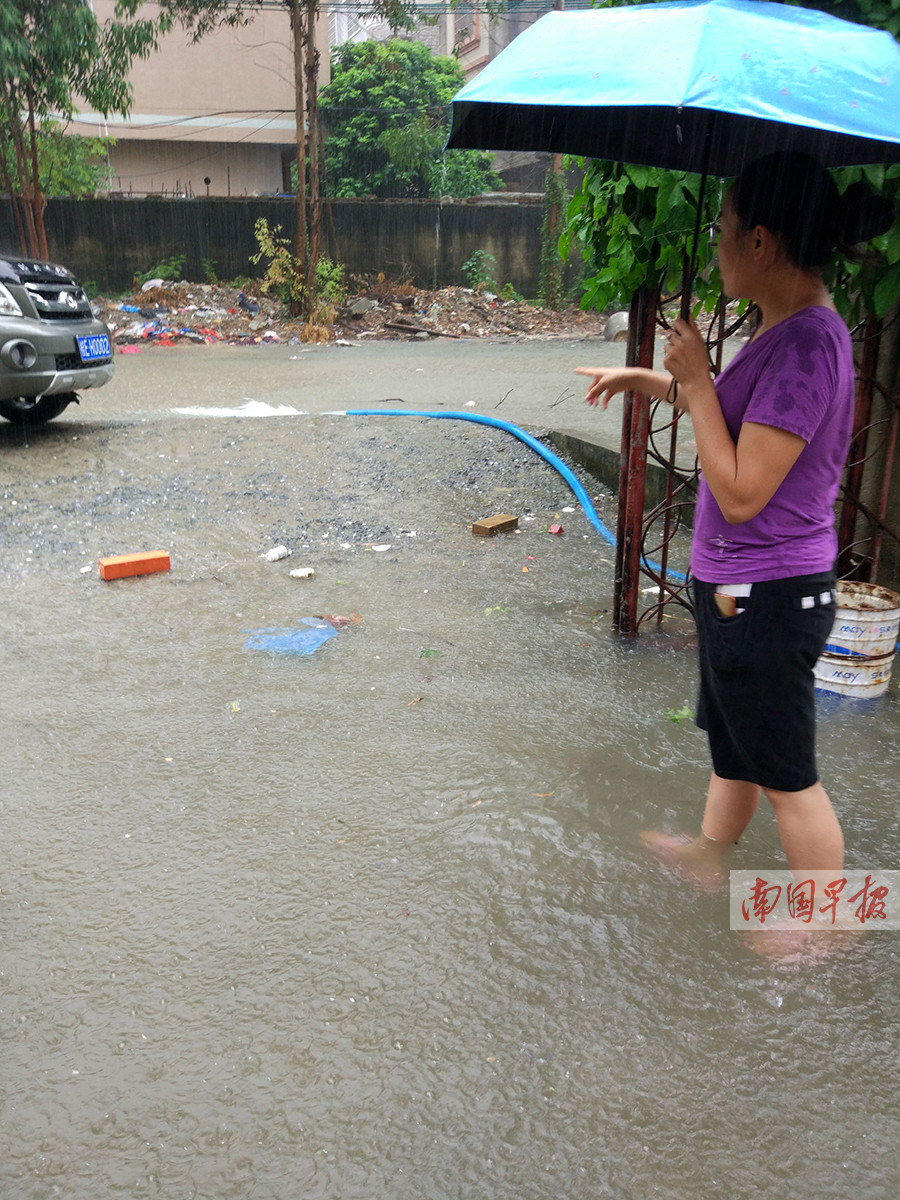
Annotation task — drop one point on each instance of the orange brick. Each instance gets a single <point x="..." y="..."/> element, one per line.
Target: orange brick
<point x="119" y="566"/>
<point x="491" y="525"/>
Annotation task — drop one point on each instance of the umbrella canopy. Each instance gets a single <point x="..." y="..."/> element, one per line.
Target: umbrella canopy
<point x="693" y="85"/>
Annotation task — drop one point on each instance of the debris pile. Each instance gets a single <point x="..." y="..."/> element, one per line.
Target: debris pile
<point x="167" y="314"/>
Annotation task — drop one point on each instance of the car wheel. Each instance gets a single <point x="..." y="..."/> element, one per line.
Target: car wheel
<point x="26" y="410"/>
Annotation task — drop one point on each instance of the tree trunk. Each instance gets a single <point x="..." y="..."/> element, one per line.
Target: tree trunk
<point x="25" y="190"/>
<point x="14" y="199"/>
<point x="37" y="196"/>
<point x="551" y="264"/>
<point x="312" y="108"/>
<point x="300" y="237"/>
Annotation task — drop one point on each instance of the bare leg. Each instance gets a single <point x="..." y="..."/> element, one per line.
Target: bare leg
<point x="730" y="805"/>
<point x="812" y="840"/>
<point x="810" y="832"/>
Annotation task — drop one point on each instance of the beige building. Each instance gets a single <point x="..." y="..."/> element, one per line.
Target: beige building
<point x="216" y="117"/>
<point x="212" y="118"/>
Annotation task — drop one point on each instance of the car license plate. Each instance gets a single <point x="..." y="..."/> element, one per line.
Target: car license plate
<point x="93" y="347"/>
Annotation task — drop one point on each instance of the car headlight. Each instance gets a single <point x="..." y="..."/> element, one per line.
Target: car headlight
<point x="8" y="305"/>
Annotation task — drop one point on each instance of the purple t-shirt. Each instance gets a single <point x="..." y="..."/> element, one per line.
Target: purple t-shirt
<point x="797" y="376"/>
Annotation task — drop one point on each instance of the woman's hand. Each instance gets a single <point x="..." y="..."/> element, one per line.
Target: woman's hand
<point x="607" y="381"/>
<point x="685" y="356"/>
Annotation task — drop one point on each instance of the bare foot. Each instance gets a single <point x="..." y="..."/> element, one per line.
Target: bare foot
<point x="793" y="942"/>
<point x="699" y="860"/>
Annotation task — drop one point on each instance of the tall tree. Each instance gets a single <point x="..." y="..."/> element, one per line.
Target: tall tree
<point x="387" y="116"/>
<point x="201" y="16"/>
<point x="51" y="56"/>
<point x="68" y="164"/>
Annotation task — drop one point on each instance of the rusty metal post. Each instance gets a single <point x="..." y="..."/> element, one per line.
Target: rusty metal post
<point x="856" y="458"/>
<point x="633" y="465"/>
<point x="887" y="476"/>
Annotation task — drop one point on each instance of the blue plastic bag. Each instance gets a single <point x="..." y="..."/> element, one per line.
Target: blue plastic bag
<point x="288" y="640"/>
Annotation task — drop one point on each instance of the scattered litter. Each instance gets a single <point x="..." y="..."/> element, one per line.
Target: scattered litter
<point x="289" y="640"/>
<point x="415" y="700"/>
<point x="86" y="570"/>
<point x="677" y="715"/>
<point x="535" y="1057"/>
<point x="568" y="508"/>
<point x="338" y="621"/>
<point x="122" y="566"/>
<point x="498" y="524"/>
<point x="650" y="591"/>
<point x="381" y="549"/>
<point x="616" y="328"/>
<point x="426" y="653"/>
<point x="129" y="350"/>
<point x="235" y="706"/>
<point x="360" y="306"/>
<point x="276" y="554"/>
<point x="303" y="573"/>
<point x="556" y="529"/>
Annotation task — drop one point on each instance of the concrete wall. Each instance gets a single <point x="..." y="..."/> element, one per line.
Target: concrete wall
<point x="107" y="242"/>
<point x="180" y="169"/>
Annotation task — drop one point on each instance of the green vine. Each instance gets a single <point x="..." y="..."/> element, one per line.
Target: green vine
<point x="634" y="226"/>
<point x="867" y="282"/>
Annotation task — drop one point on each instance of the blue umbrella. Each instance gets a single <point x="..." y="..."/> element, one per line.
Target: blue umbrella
<point x="693" y="85"/>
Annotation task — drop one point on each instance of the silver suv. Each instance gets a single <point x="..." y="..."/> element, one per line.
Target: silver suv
<point x="51" y="345"/>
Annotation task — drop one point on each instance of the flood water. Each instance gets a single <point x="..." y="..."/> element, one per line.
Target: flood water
<point x="374" y="923"/>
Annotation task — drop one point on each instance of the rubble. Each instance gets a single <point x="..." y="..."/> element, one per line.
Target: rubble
<point x="169" y="314"/>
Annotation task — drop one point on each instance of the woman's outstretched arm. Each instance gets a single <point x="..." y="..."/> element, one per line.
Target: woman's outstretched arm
<point x="608" y="381"/>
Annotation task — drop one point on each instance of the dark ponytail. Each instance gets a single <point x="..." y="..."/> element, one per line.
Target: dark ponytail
<point x="794" y="196"/>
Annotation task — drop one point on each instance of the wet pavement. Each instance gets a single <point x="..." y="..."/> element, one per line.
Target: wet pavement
<point x="374" y="921"/>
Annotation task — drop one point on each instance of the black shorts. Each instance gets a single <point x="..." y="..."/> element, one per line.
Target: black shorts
<point x="757" y="691"/>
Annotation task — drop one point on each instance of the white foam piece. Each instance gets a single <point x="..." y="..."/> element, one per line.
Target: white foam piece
<point x="251" y="408"/>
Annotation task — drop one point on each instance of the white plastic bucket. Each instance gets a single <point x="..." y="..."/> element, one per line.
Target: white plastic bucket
<point x="867" y="620"/>
<point x="859" y="653"/>
<point x="863" y="678"/>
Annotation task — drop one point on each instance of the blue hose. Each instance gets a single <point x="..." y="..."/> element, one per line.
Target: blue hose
<point x="547" y="455"/>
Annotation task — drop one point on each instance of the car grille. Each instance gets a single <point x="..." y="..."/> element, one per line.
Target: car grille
<point x="71" y="362"/>
<point x="66" y="315"/>
<point x="59" y="302"/>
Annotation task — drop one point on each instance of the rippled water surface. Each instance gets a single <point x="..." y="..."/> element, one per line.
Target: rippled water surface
<point x="374" y="923"/>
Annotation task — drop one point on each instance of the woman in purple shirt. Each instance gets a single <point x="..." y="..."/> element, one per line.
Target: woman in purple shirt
<point x="772" y="435"/>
